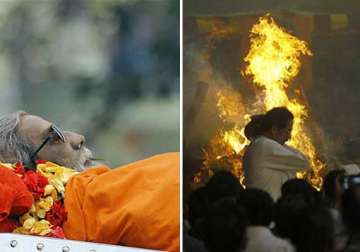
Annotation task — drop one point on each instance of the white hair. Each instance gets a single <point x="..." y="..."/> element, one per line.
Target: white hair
<point x="12" y="146"/>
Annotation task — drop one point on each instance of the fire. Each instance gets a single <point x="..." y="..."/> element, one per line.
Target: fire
<point x="235" y="139"/>
<point x="272" y="62"/>
<point x="225" y="152"/>
<point x="228" y="145"/>
<point x="230" y="105"/>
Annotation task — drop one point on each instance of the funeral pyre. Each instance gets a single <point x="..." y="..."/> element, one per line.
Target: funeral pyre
<point x="272" y="63"/>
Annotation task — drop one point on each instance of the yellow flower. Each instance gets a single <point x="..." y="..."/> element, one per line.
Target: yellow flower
<point x="48" y="189"/>
<point x="21" y="230"/>
<point x="25" y="217"/>
<point x="42" y="227"/>
<point x="56" y="174"/>
<point x="29" y="223"/>
<point x="32" y="209"/>
<point x="58" y="184"/>
<point x="43" y="205"/>
<point x="8" y="165"/>
<point x="51" y="191"/>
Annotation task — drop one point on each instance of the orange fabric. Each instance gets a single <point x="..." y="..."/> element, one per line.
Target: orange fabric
<point x="136" y="205"/>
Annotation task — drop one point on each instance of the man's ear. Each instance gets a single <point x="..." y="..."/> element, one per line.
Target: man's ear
<point x="20" y="114"/>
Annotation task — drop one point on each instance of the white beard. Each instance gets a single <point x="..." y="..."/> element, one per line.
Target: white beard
<point x="84" y="160"/>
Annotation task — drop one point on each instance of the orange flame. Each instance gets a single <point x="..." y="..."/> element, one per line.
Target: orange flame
<point x="273" y="61"/>
<point x="228" y="145"/>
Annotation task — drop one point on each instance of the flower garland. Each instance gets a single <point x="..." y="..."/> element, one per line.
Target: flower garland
<point x="47" y="185"/>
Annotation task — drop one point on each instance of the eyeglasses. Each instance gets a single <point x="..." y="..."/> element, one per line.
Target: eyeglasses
<point x="55" y="133"/>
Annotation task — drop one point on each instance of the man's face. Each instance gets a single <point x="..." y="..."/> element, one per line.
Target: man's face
<point x="284" y="134"/>
<point x="71" y="153"/>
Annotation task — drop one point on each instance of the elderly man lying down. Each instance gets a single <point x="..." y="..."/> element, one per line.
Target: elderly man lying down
<point x="136" y="205"/>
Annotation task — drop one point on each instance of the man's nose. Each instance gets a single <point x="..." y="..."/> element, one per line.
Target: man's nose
<point x="76" y="140"/>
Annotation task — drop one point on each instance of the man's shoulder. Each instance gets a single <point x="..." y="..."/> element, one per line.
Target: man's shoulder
<point x="265" y="238"/>
<point x="265" y="140"/>
<point x="265" y="144"/>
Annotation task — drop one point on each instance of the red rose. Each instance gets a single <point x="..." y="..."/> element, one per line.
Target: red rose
<point x="19" y="168"/>
<point x="57" y="215"/>
<point x="40" y="161"/>
<point x="36" y="183"/>
<point x="57" y="232"/>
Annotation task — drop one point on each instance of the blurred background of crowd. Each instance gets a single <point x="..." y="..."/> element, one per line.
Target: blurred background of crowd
<point x="222" y="216"/>
<point x="108" y="69"/>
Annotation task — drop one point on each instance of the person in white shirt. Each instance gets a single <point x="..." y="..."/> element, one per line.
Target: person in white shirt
<point x="259" y="208"/>
<point x="268" y="162"/>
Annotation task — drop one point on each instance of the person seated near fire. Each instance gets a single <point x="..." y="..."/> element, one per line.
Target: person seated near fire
<point x="268" y="162"/>
<point x="136" y="205"/>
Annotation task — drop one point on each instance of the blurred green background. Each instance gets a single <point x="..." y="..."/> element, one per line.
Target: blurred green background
<point x="108" y="69"/>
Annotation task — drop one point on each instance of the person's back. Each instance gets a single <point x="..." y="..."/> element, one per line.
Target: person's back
<point x="225" y="226"/>
<point x="268" y="164"/>
<point x="260" y="239"/>
<point x="301" y="187"/>
<point x="315" y="231"/>
<point x="259" y="207"/>
<point x="351" y="214"/>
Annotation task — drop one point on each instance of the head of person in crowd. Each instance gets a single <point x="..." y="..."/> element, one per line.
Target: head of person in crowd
<point x="258" y="205"/>
<point x="225" y="226"/>
<point x="350" y="205"/>
<point x="332" y="189"/>
<point x="253" y="128"/>
<point x="287" y="212"/>
<point x="300" y="187"/>
<point x="26" y="138"/>
<point x="198" y="205"/>
<point x="277" y="124"/>
<point x="314" y="231"/>
<point x="223" y="184"/>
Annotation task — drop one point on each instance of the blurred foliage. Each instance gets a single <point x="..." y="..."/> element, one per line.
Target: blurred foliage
<point x="84" y="62"/>
<point x="116" y="50"/>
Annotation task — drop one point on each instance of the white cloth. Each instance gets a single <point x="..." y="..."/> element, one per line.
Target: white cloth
<point x="351" y="169"/>
<point x="260" y="239"/>
<point x="341" y="235"/>
<point x="268" y="164"/>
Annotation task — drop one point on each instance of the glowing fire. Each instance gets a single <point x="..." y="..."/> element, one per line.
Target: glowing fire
<point x="229" y="104"/>
<point x="272" y="62"/>
<point x="228" y="145"/>
<point x="225" y="152"/>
